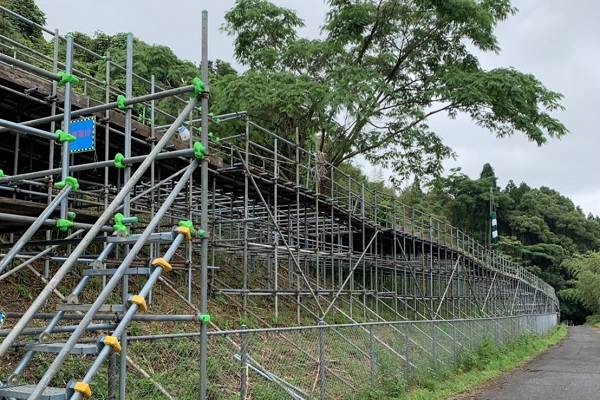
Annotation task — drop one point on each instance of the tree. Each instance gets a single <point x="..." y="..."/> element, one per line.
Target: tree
<point x="28" y="9"/>
<point x="585" y="285"/>
<point x="465" y="202"/>
<point x="379" y="72"/>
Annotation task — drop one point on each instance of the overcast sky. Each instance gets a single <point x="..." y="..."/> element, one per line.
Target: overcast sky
<point x="556" y="40"/>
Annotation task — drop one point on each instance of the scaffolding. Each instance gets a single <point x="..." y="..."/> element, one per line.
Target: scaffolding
<point x="255" y="215"/>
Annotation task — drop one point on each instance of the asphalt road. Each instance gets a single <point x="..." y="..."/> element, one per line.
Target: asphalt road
<point x="568" y="371"/>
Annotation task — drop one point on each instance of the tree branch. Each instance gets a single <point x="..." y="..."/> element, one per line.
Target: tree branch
<point x="367" y="41"/>
<point x="397" y="132"/>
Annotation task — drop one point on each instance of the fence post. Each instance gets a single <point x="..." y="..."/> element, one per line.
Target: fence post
<point x="407" y="346"/>
<point x="434" y="345"/>
<point x="496" y="341"/>
<point x="243" y="362"/>
<point x="454" y="344"/>
<point x="471" y="339"/>
<point x="372" y="353"/>
<point x="322" y="359"/>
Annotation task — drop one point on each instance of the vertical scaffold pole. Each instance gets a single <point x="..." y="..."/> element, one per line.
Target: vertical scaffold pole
<point x="107" y="150"/>
<point x="66" y="123"/>
<point x="153" y="246"/>
<point x="126" y="206"/>
<point x="51" y="146"/>
<point x="246" y="216"/>
<point x="204" y="211"/>
<point x="297" y="190"/>
<point x="190" y="201"/>
<point x="276" y="231"/>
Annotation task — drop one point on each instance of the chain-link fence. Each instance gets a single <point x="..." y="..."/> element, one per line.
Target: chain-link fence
<point x="315" y="362"/>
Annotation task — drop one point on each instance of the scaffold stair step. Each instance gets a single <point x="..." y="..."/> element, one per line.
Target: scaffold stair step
<point x="110" y="272"/>
<point x="57" y="347"/>
<point x="105" y="308"/>
<point x="24" y="391"/>
<point x="161" y="237"/>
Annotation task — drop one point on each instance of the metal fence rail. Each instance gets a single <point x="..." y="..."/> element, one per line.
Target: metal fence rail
<point x="322" y="361"/>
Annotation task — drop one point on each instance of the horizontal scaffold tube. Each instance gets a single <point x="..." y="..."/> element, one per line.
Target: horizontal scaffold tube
<point x="113" y="317"/>
<point x="97" y="165"/>
<point x="58" y="329"/>
<point x="33" y="228"/>
<point x="28" y="67"/>
<point x="109" y="106"/>
<point x="37" y="256"/>
<point x="48" y="222"/>
<point x="27" y="130"/>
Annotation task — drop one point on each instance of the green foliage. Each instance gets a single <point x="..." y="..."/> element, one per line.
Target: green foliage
<point x="593" y="320"/>
<point x="23" y="291"/>
<point x="369" y="84"/>
<point x="585" y="285"/>
<point x="472" y="370"/>
<point x="268" y="391"/>
<point x="466" y="202"/>
<point x="22" y="31"/>
<point x="539" y="228"/>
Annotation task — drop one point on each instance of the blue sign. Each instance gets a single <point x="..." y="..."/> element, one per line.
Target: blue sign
<point x="84" y="130"/>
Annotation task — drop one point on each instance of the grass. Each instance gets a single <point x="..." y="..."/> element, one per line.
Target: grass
<point x="173" y="363"/>
<point x="473" y="370"/>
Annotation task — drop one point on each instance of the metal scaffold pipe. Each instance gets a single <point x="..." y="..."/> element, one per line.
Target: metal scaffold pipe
<point x="66" y="124"/>
<point x="64" y="193"/>
<point x="56" y="318"/>
<point x="28" y="67"/>
<point x="48" y="222"/>
<point x="108" y="106"/>
<point x="58" y="329"/>
<point x="112" y="284"/>
<point x="27" y="130"/>
<point x="87" y="239"/>
<point x="204" y="213"/>
<point x="126" y="205"/>
<point x="38" y="256"/>
<point x="101" y="164"/>
<point x="129" y="315"/>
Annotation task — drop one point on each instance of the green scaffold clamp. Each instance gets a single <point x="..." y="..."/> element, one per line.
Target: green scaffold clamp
<point x="201" y="233"/>
<point x="121" y="102"/>
<point x="118" y="161"/>
<point x="142" y="120"/>
<point x="1" y="174"/>
<point x="64" y="78"/>
<point x="121" y="222"/>
<point x="199" y="150"/>
<point x="63" y="137"/>
<point x="204" y="318"/>
<point x="69" y="180"/>
<point x="199" y="87"/>
<point x="64" y="225"/>
<point x="186" y="224"/>
<point x="119" y="227"/>
<point x="213" y="137"/>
